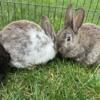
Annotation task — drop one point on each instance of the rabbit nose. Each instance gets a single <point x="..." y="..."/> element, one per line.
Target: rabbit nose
<point x="62" y="52"/>
<point x="58" y="45"/>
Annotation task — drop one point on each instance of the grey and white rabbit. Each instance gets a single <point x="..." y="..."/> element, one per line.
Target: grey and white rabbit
<point x="28" y="43"/>
<point x="77" y="40"/>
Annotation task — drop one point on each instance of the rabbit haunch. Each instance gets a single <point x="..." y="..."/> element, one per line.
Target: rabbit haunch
<point x="27" y="43"/>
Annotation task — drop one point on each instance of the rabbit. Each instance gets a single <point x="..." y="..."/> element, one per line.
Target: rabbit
<point x="77" y="40"/>
<point x="28" y="43"/>
<point x="4" y="62"/>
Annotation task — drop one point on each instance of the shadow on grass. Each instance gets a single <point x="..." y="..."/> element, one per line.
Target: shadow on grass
<point x="56" y="63"/>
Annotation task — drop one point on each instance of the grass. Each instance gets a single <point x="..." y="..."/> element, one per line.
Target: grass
<point x="60" y="79"/>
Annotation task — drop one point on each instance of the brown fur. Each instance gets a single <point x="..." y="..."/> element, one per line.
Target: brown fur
<point x="22" y="24"/>
<point x="48" y="28"/>
<point x="81" y="42"/>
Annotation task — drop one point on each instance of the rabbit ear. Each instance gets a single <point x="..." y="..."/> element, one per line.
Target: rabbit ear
<point x="68" y="16"/>
<point x="78" y="19"/>
<point x="48" y="28"/>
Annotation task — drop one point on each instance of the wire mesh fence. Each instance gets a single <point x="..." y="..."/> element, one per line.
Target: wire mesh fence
<point x="33" y="10"/>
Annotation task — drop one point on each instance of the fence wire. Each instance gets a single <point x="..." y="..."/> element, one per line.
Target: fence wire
<point x="33" y="10"/>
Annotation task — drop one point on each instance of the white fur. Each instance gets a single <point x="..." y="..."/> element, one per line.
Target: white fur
<point x="33" y="56"/>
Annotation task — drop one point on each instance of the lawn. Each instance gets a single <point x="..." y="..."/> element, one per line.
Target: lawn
<point x="59" y="79"/>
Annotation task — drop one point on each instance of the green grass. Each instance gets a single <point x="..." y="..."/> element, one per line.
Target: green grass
<point x="60" y="79"/>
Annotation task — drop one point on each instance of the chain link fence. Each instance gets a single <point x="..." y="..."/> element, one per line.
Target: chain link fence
<point x="33" y="10"/>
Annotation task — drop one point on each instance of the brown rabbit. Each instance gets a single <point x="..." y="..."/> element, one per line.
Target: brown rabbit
<point x="77" y="40"/>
